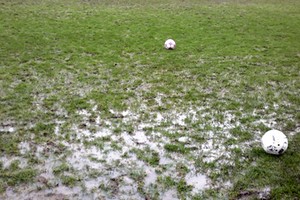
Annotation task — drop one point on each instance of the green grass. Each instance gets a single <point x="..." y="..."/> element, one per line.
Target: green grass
<point x="15" y="175"/>
<point x="149" y="156"/>
<point x="233" y="76"/>
<point x="69" y="180"/>
<point x="176" y="148"/>
<point x="280" y="173"/>
<point x="64" y="167"/>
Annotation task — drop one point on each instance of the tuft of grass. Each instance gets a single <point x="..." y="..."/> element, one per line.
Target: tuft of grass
<point x="14" y="175"/>
<point x="9" y="144"/>
<point x="149" y="156"/>
<point x="241" y="134"/>
<point x="177" y="148"/>
<point x="167" y="181"/>
<point x="63" y="167"/>
<point x="183" y="188"/>
<point x="43" y="132"/>
<point x="97" y="142"/>
<point x="69" y="180"/>
<point x="181" y="169"/>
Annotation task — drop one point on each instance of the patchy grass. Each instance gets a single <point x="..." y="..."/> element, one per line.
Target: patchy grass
<point x="147" y="155"/>
<point x="64" y="167"/>
<point x="69" y="180"/>
<point x="14" y="175"/>
<point x="176" y="148"/>
<point x="92" y="104"/>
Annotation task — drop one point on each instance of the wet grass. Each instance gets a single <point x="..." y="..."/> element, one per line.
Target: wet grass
<point x="149" y="156"/>
<point x="88" y="92"/>
<point x="284" y="184"/>
<point x="15" y="175"/>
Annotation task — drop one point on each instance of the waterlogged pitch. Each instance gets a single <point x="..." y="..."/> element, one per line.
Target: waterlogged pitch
<point x="93" y="107"/>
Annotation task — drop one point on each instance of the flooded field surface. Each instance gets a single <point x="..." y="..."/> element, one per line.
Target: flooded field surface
<point x="92" y="106"/>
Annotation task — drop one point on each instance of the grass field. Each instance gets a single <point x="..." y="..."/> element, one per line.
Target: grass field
<point x="93" y="107"/>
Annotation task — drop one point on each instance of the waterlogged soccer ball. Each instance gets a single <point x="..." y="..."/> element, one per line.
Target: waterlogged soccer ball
<point x="274" y="142"/>
<point x="170" y="44"/>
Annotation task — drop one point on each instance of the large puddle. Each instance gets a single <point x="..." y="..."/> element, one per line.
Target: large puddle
<point x="111" y="169"/>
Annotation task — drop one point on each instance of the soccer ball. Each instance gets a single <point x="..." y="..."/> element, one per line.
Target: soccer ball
<point x="274" y="142"/>
<point x="170" y="44"/>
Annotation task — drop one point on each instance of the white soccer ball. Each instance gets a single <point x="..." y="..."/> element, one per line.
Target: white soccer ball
<point x="274" y="142"/>
<point x="170" y="44"/>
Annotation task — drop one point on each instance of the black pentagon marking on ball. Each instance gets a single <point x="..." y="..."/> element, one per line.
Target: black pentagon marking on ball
<point x="280" y="151"/>
<point x="270" y="148"/>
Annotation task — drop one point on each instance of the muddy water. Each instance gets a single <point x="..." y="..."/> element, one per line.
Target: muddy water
<point x="116" y="173"/>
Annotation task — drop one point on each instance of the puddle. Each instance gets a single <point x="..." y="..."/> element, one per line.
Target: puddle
<point x="6" y="161"/>
<point x="265" y="193"/>
<point x="39" y="152"/>
<point x="80" y="158"/>
<point x="165" y="160"/>
<point x="89" y="135"/>
<point x="179" y="119"/>
<point x="84" y="113"/>
<point x="113" y="156"/>
<point x="56" y="130"/>
<point x="61" y="189"/>
<point x="129" y="191"/>
<point x="151" y="176"/>
<point x="159" y="117"/>
<point x="104" y="132"/>
<point x="93" y="183"/>
<point x="115" y="164"/>
<point x="158" y="99"/>
<point x="207" y="146"/>
<point x="24" y="147"/>
<point x="140" y="138"/>
<point x="128" y="139"/>
<point x="183" y="139"/>
<point x="169" y="195"/>
<point x="198" y="181"/>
